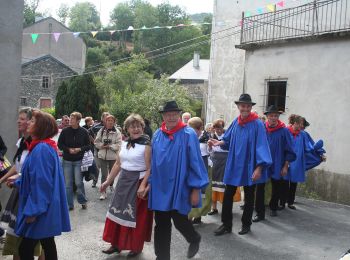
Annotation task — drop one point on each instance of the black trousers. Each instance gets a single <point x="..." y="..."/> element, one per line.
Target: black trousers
<point x="26" y="248"/>
<point x="249" y="195"/>
<point x="288" y="192"/>
<point x="162" y="231"/>
<point x="260" y="200"/>
<point x="279" y="192"/>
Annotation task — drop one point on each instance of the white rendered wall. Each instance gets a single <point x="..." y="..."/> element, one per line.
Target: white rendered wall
<point x="318" y="87"/>
<point x="227" y="63"/>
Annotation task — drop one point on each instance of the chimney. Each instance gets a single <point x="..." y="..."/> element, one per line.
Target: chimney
<point x="196" y="58"/>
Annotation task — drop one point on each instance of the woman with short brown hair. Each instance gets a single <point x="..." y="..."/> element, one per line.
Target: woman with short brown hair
<point x="42" y="211"/>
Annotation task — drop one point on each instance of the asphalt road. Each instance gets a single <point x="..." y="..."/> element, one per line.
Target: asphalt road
<point x="316" y="230"/>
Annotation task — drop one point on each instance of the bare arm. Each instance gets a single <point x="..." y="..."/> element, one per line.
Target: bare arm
<point x="111" y="176"/>
<point x="144" y="186"/>
<point x="10" y="173"/>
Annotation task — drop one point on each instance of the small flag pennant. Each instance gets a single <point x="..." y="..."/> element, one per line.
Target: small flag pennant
<point x="56" y="36"/>
<point x="270" y="7"/>
<point x="34" y="37"/>
<point x="76" y="34"/>
<point x="280" y="4"/>
<point x="94" y="33"/>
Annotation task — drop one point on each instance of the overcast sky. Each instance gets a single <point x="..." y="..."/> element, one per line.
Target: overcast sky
<point x="191" y="6"/>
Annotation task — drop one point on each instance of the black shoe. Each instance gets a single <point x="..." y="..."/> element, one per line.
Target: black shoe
<point x="241" y="207"/>
<point x="257" y="218"/>
<point x="111" y="250"/>
<point x="292" y="207"/>
<point x="273" y="213"/>
<point x="83" y="206"/>
<point x="94" y="184"/>
<point x="193" y="249"/>
<point x="244" y="230"/>
<point x="213" y="212"/>
<point x="280" y="207"/>
<point x="197" y="220"/>
<point x="71" y="208"/>
<point x="222" y="230"/>
<point x="132" y="254"/>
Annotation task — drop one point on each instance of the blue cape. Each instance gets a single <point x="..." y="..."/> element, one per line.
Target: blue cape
<point x="281" y="147"/>
<point x="248" y="147"/>
<point x="313" y="158"/>
<point x="302" y="146"/>
<point x="42" y="194"/>
<point x="177" y="167"/>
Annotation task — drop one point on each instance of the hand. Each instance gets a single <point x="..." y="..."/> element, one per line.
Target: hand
<point x="143" y="191"/>
<point x="323" y="158"/>
<point x="195" y="197"/>
<point x="11" y="180"/>
<point x="72" y="150"/>
<point x="30" y="219"/>
<point x="105" y="146"/>
<point x="284" y="170"/>
<point x="104" y="186"/>
<point x="257" y="173"/>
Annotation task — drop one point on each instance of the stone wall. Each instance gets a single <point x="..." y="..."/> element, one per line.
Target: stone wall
<point x="33" y="90"/>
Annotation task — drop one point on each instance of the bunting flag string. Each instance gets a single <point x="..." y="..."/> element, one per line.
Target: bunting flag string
<point x="269" y="7"/>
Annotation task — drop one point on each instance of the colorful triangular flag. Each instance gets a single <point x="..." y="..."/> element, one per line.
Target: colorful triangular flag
<point x="76" y="34"/>
<point x="169" y="27"/>
<point x="130" y="28"/>
<point x="56" y="36"/>
<point x="270" y="7"/>
<point x="281" y="4"/>
<point x="247" y="14"/>
<point x="94" y="33"/>
<point x="180" y="25"/>
<point x="156" y="27"/>
<point x="259" y="10"/>
<point x="111" y="32"/>
<point x="144" y="28"/>
<point x="34" y="37"/>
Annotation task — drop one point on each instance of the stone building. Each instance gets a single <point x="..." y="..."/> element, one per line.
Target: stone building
<point x="47" y="62"/>
<point x="40" y="91"/>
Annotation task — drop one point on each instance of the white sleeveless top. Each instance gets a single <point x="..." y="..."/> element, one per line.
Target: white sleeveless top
<point x="133" y="159"/>
<point x="19" y="164"/>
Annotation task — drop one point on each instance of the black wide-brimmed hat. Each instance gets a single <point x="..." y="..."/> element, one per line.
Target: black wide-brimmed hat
<point x="246" y="99"/>
<point x="169" y="106"/>
<point x="272" y="109"/>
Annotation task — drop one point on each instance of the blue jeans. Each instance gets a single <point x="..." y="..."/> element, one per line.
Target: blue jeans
<point x="72" y="170"/>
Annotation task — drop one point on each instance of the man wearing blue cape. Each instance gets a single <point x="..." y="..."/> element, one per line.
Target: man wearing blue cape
<point x="249" y="154"/>
<point x="282" y="153"/>
<point x="177" y="176"/>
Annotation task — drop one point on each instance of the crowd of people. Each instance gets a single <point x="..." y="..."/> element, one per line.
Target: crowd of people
<point x="179" y="173"/>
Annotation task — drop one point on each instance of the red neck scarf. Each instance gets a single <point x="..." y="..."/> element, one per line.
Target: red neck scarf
<point x="279" y="125"/>
<point x="171" y="132"/>
<point x="294" y="133"/>
<point x="250" y="118"/>
<point x="48" y="141"/>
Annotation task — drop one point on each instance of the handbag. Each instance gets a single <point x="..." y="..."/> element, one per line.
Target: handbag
<point x="5" y="165"/>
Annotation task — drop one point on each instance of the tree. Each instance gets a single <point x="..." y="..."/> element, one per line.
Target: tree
<point x="95" y="56"/>
<point x="122" y="17"/>
<point x="29" y="11"/>
<point x="63" y="13"/>
<point x="84" y="17"/>
<point x="60" y="99"/>
<point x="81" y="96"/>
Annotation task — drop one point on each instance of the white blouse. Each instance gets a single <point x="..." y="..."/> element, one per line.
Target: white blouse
<point x="133" y="159"/>
<point x="19" y="164"/>
<point x="218" y="149"/>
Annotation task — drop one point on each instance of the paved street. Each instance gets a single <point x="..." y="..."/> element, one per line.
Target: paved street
<point x="316" y="230"/>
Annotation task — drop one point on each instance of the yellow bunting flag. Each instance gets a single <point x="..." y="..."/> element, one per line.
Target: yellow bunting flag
<point x="94" y="33"/>
<point x="270" y="7"/>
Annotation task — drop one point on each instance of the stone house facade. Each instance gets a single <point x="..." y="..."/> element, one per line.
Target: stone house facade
<point x="40" y="81"/>
<point x="47" y="62"/>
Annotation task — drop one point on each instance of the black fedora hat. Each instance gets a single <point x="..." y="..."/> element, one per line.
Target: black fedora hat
<point x="169" y="106"/>
<point x="272" y="109"/>
<point x="246" y="99"/>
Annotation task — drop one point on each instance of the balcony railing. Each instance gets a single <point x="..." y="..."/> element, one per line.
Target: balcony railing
<point x="315" y="18"/>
